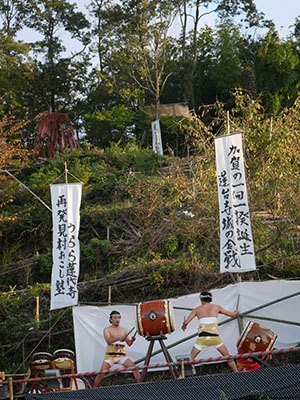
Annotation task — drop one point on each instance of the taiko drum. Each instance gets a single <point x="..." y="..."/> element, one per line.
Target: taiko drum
<point x="154" y="318"/>
<point x="255" y="338"/>
<point x="41" y="360"/>
<point x="63" y="358"/>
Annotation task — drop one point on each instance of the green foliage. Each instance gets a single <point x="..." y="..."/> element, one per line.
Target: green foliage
<point x="170" y="245"/>
<point x="94" y="253"/>
<point x="153" y="217"/>
<point x="277" y="72"/>
<point x="9" y="254"/>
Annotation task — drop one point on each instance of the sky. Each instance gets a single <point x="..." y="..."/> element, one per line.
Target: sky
<point x="282" y="12"/>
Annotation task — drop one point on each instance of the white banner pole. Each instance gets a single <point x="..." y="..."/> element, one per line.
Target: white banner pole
<point x="156" y="137"/>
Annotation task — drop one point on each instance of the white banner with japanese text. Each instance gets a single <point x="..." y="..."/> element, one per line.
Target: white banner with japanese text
<point x="236" y="243"/>
<point x="65" y="199"/>
<point x="156" y="137"/>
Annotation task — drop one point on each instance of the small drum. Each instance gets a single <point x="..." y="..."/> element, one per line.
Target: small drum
<point x="81" y="384"/>
<point x="41" y="360"/>
<point x="256" y="337"/>
<point x="154" y="318"/>
<point x="246" y="364"/>
<point x="63" y="358"/>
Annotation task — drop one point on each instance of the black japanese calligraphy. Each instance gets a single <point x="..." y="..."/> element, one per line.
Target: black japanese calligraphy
<point x="236" y="238"/>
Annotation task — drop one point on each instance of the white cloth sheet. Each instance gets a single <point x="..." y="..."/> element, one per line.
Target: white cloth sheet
<point x="89" y="322"/>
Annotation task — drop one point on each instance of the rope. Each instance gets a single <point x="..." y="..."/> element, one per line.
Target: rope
<point x="44" y="337"/>
<point x="169" y="364"/>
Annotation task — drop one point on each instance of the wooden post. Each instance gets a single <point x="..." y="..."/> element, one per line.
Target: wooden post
<point x="182" y="369"/>
<point x="109" y="295"/>
<point x="66" y="173"/>
<point x="49" y="337"/>
<point x="107" y="234"/>
<point x="37" y="311"/>
<point x="11" y="389"/>
<point x="228" y="123"/>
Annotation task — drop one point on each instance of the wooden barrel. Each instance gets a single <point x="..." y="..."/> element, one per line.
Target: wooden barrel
<point x="256" y="337"/>
<point x="154" y="318"/>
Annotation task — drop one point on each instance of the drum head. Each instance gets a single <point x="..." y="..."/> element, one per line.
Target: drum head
<point x="244" y="334"/>
<point x="41" y="360"/>
<point x="64" y="352"/>
<point x="154" y="318"/>
<point x="41" y="357"/>
<point x="169" y="316"/>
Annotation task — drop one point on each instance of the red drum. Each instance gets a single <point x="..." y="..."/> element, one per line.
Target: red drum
<point x="256" y="337"/>
<point x="63" y="358"/>
<point x="246" y="364"/>
<point x="41" y="360"/>
<point x="154" y="318"/>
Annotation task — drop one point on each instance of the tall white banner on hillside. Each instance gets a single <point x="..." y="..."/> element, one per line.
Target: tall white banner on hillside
<point x="156" y="137"/>
<point x="66" y="199"/>
<point x="236" y="243"/>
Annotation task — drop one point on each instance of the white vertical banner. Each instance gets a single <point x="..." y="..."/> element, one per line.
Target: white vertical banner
<point x="156" y="137"/>
<point x="65" y="199"/>
<point x="236" y="243"/>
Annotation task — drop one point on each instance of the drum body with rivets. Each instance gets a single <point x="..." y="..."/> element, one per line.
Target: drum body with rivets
<point x="63" y="358"/>
<point x="154" y="318"/>
<point x="41" y="360"/>
<point x="256" y="337"/>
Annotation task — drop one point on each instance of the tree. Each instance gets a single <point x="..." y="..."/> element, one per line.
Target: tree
<point x="133" y="49"/>
<point x="226" y="71"/>
<point x="48" y="18"/>
<point x="15" y="63"/>
<point x="12" y="152"/>
<point x="277" y="72"/>
<point x="148" y="44"/>
<point x="11" y="17"/>
<point x="222" y="8"/>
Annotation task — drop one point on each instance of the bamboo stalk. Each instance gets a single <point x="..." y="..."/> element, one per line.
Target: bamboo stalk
<point x="270" y="303"/>
<point x="282" y="321"/>
<point x="30" y="191"/>
<point x="37" y="311"/>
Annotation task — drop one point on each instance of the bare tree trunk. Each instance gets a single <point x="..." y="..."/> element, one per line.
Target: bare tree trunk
<point x="184" y="65"/>
<point x="195" y="55"/>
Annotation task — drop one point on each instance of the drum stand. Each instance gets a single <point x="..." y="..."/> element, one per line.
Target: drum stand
<point x="61" y="366"/>
<point x="37" y="370"/>
<point x="173" y="370"/>
<point x="261" y="362"/>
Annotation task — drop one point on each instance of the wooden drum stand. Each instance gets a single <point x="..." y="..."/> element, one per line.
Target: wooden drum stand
<point x="173" y="370"/>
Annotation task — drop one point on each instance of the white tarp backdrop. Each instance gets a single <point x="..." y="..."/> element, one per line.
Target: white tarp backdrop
<point x="65" y="199"/>
<point x="89" y="322"/>
<point x="236" y="243"/>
